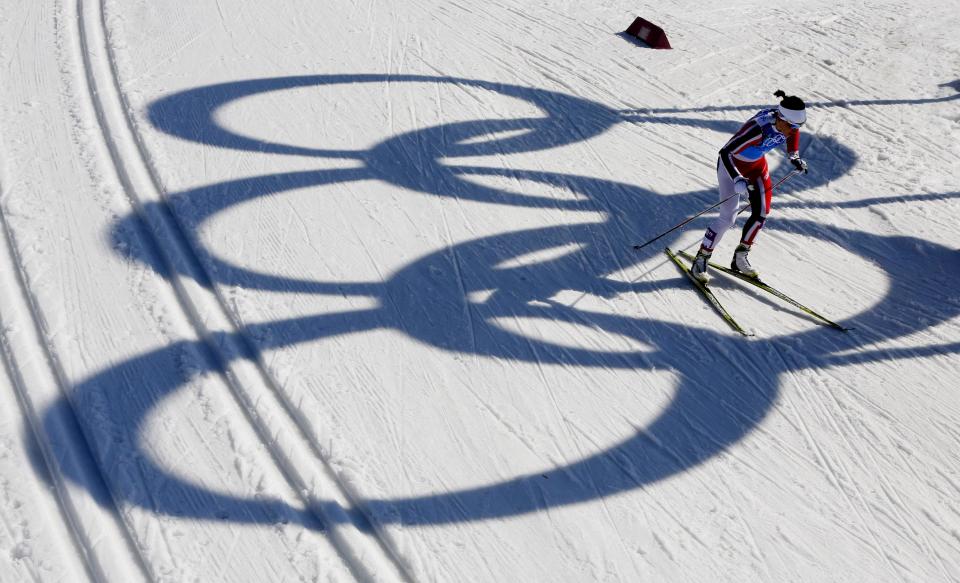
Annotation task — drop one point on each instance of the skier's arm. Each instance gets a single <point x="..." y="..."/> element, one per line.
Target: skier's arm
<point x="726" y="158"/>
<point x="793" y="150"/>
<point x="793" y="143"/>
<point x="737" y="146"/>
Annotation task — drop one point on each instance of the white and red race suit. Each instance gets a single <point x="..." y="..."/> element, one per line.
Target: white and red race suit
<point x="744" y="155"/>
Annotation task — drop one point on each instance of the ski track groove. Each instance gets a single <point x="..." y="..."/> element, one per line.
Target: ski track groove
<point x="840" y="477"/>
<point x="79" y="535"/>
<point x="246" y="375"/>
<point x="843" y="427"/>
<point x="605" y="505"/>
<point x="897" y="507"/>
<point x="748" y="532"/>
<point x="824" y="463"/>
<point x="461" y="285"/>
<point x="83" y="42"/>
<point x="86" y="531"/>
<point x="819" y="463"/>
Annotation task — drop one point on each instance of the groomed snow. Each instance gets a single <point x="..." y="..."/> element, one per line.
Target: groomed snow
<point x="331" y="291"/>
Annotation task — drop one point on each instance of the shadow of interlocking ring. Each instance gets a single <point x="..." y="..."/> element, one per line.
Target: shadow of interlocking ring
<point x="429" y="300"/>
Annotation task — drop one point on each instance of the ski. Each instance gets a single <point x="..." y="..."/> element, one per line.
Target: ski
<point x="769" y="289"/>
<point x="707" y="294"/>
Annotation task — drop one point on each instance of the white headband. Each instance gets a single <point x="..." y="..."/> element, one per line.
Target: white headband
<point x="794" y="116"/>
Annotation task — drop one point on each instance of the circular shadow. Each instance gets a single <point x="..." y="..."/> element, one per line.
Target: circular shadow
<point x="429" y="300"/>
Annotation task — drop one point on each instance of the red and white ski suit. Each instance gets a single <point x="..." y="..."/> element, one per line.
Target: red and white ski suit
<point x="745" y="155"/>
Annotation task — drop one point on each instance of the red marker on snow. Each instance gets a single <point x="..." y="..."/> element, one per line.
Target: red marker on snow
<point x="649" y="33"/>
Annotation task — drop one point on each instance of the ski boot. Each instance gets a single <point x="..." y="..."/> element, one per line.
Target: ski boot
<point x="741" y="263"/>
<point x="699" y="268"/>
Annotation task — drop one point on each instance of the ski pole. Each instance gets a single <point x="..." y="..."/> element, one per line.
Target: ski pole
<point x="710" y="208"/>
<point x="706" y="210"/>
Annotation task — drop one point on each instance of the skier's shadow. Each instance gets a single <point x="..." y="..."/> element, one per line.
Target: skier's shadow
<point x="429" y="301"/>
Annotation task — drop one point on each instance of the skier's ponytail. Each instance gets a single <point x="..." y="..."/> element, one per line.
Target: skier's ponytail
<point x="779" y="93"/>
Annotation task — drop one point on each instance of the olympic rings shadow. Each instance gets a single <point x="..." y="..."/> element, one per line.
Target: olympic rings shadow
<point x="429" y="300"/>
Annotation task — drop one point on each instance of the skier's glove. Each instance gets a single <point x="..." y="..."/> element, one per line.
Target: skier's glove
<point x="798" y="162"/>
<point x="741" y="186"/>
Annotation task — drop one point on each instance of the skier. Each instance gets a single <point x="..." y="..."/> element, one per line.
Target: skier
<point x="742" y="171"/>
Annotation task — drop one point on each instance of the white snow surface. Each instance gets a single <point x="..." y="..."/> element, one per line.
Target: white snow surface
<point x="342" y="291"/>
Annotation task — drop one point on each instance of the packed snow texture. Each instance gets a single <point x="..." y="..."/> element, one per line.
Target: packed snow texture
<point x="333" y="291"/>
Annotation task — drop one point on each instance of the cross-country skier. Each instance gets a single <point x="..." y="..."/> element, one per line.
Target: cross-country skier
<point x="742" y="170"/>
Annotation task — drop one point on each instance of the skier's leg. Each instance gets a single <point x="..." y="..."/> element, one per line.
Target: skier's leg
<point x="728" y="212"/>
<point x="725" y="219"/>
<point x="760" y="199"/>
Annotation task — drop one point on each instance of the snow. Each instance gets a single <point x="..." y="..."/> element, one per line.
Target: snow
<point x="339" y="291"/>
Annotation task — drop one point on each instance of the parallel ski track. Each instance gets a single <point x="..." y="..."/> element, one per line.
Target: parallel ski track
<point x="37" y="379"/>
<point x="276" y="421"/>
<point x="103" y="543"/>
